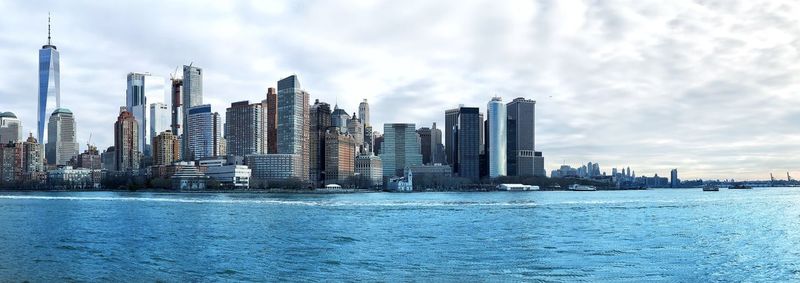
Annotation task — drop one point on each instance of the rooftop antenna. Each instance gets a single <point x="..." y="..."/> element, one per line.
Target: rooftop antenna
<point x="48" y="28"/>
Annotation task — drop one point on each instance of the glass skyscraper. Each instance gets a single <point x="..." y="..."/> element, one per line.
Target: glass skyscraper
<point x="496" y="112"/>
<point x="192" y="96"/>
<point x="146" y="99"/>
<point x="293" y="121"/>
<point x="49" y="85"/>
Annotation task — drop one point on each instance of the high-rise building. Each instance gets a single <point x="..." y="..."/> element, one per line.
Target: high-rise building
<point x="400" y="148"/>
<point x="340" y="154"/>
<point x="521" y="149"/>
<point x="49" y="84"/>
<point x="673" y="180"/>
<point x="271" y="109"/>
<point x="192" y="95"/>
<point x="437" y="148"/>
<point x="378" y="143"/>
<point x="482" y="133"/>
<point x="320" y="123"/>
<point x="203" y="133"/>
<point x="10" y="128"/>
<point x="33" y="152"/>
<point x="126" y="143"/>
<point x="293" y="121"/>
<point x="109" y="159"/>
<point x="425" y="140"/>
<point x="142" y="92"/>
<point x="61" y="144"/>
<point x="176" y="101"/>
<point x="11" y="163"/>
<point x="538" y="164"/>
<point x="363" y="113"/>
<point x="166" y="148"/>
<point x="160" y="120"/>
<point x="339" y="118"/>
<point x="369" y="139"/>
<point x="463" y="141"/>
<point x="356" y="129"/>
<point x="245" y="129"/>
<point x="496" y="114"/>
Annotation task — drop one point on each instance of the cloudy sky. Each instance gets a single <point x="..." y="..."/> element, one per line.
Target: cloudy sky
<point x="708" y="87"/>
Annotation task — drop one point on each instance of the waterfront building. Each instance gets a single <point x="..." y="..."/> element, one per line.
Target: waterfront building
<point x="67" y="177"/>
<point x="521" y="147"/>
<point x="127" y="156"/>
<point x="538" y="164"/>
<point x="320" y="123"/>
<point x="363" y="113"/>
<point x="49" y="85"/>
<point x="192" y="95"/>
<point x="463" y="129"/>
<point x="245" y="129"/>
<point x="230" y="176"/>
<point x="356" y="129"/>
<point x="203" y="133"/>
<point x="425" y="140"/>
<point x="401" y="148"/>
<point x="274" y="167"/>
<point x="61" y="144"/>
<point x="293" y="122"/>
<point x="340" y="153"/>
<point x="166" y="148"/>
<point x="146" y="95"/>
<point x="496" y="112"/>
<point x="271" y="105"/>
<point x="10" y="128"/>
<point x="370" y="167"/>
<point x="401" y="184"/>
<point x="431" y="171"/>
<point x="189" y="178"/>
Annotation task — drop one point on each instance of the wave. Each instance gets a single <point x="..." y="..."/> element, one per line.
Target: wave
<point x="333" y="203"/>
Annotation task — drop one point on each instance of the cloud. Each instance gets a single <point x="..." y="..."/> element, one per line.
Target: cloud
<point x="703" y="86"/>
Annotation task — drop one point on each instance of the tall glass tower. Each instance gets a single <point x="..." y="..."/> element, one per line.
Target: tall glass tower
<point x="496" y="111"/>
<point x="49" y="86"/>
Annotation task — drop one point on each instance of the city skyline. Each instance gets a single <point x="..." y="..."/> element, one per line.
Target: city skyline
<point x="644" y="118"/>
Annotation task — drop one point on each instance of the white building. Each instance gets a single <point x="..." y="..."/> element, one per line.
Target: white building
<point x="497" y="117"/>
<point x="231" y="176"/>
<point x="402" y="184"/>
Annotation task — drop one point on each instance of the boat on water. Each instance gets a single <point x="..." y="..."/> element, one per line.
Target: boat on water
<point x="576" y="187"/>
<point x="517" y="187"/>
<point x="740" y="187"/>
<point x="710" y="188"/>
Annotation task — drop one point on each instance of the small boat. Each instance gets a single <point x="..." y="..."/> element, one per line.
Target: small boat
<point x="576" y="187"/>
<point x="740" y="187"/>
<point x="710" y="188"/>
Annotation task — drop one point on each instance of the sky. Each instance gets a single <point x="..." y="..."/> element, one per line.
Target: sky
<point x="707" y="87"/>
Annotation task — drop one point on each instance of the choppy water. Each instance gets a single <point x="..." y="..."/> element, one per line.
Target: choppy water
<point x="656" y="235"/>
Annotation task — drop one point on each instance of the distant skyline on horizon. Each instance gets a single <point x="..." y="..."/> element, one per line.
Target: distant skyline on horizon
<point x="701" y="86"/>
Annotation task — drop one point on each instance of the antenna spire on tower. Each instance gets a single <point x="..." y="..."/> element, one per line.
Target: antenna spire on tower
<point x="48" y="28"/>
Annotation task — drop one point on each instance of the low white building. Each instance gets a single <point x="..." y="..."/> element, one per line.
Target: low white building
<point x="402" y="184"/>
<point x="67" y="177"/>
<point x="231" y="176"/>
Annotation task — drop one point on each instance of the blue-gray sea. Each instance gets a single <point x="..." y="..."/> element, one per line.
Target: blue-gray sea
<point x="654" y="235"/>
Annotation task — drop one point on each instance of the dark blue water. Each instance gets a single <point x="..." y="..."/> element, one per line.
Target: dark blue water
<point x="656" y="235"/>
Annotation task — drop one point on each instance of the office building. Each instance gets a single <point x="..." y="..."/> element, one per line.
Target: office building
<point x="425" y="140"/>
<point x="340" y="154"/>
<point x="370" y="167"/>
<point x="369" y="139"/>
<point x="363" y="113"/>
<point x="144" y="90"/>
<point x="127" y="156"/>
<point x="271" y="105"/>
<point x="33" y="155"/>
<point x="192" y="95"/>
<point x="61" y="144"/>
<point x="437" y="148"/>
<point x="496" y="113"/>
<point x="320" y="123"/>
<point x="463" y="129"/>
<point x="189" y="178"/>
<point x="204" y="133"/>
<point x="11" y="163"/>
<point x="230" y="176"/>
<point x="49" y="85"/>
<point x="673" y="179"/>
<point x="400" y="148"/>
<point x="109" y="159"/>
<point x="245" y="129"/>
<point x="293" y="121"/>
<point x="521" y="149"/>
<point x="356" y="129"/>
<point x="176" y="105"/>
<point x="88" y="159"/>
<point x="10" y="128"/>
<point x="274" y="167"/>
<point x="166" y="148"/>
<point x="538" y="164"/>
<point x="339" y="118"/>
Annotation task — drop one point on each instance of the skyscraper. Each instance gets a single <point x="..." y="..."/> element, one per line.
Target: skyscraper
<point x="496" y="112"/>
<point x="521" y="150"/>
<point x="271" y="109"/>
<point x="49" y="84"/>
<point x="437" y="148"/>
<point x="293" y="121"/>
<point x="192" y="96"/>
<point x="320" y="123"/>
<point x="160" y="119"/>
<point x="673" y="179"/>
<point x="203" y="132"/>
<point x="340" y="156"/>
<point x="10" y="128"/>
<point x="166" y="148"/>
<point x="356" y="129"/>
<point x="363" y="113"/>
<point x="425" y="140"/>
<point x="33" y="152"/>
<point x="127" y="155"/>
<point x="176" y="101"/>
<point x="463" y="141"/>
<point x="400" y="148"/>
<point x="245" y="128"/>
<point x="144" y="90"/>
<point x="61" y="144"/>
<point x="339" y="118"/>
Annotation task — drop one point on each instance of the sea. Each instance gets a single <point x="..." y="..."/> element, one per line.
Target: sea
<point x="668" y="235"/>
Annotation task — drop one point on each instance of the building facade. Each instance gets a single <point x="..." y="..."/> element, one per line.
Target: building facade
<point x="271" y="105"/>
<point x="166" y="148"/>
<point x="10" y="128"/>
<point x="143" y="91"/>
<point x="293" y="122"/>
<point x="400" y="148"/>
<point x="274" y="167"/>
<point x="49" y="85"/>
<point x="496" y="113"/>
<point x="245" y="129"/>
<point x="425" y="140"/>
<point x="340" y="154"/>
<point x="437" y="148"/>
<point x="203" y="133"/>
<point x="192" y="95"/>
<point x="127" y="156"/>
<point x="370" y="167"/>
<point x="61" y="144"/>
<point x="320" y="122"/>
<point x="463" y="141"/>
<point x="521" y="146"/>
